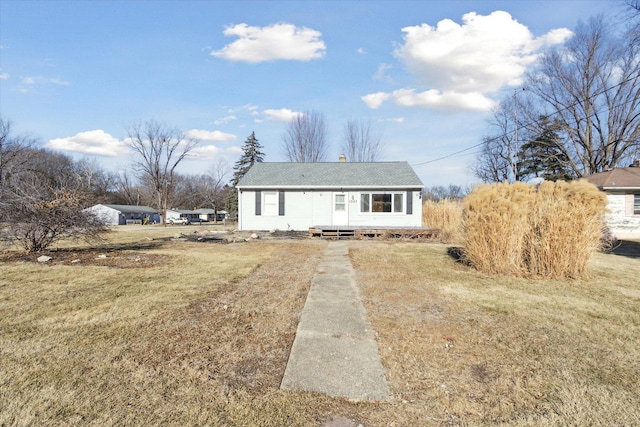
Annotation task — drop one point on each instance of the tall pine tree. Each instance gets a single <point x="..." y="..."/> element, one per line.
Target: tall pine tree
<point x="544" y="156"/>
<point x="251" y="153"/>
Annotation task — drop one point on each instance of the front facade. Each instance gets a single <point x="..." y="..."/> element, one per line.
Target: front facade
<point x="622" y="186"/>
<point x="296" y="196"/>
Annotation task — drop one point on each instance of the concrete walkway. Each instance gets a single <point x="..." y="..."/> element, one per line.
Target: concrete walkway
<point x="335" y="351"/>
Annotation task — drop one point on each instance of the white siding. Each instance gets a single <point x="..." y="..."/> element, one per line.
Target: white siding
<point x="304" y="209"/>
<point x="618" y="221"/>
<point x="108" y="215"/>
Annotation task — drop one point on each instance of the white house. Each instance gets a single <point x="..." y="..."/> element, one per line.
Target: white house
<point x="296" y="196"/>
<point x="125" y="214"/>
<point x="191" y="215"/>
<point x="622" y="186"/>
<point x="208" y="214"/>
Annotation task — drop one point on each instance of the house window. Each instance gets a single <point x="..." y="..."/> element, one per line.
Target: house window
<point x="270" y="205"/>
<point x="340" y="203"/>
<point x="382" y="202"/>
<point x="636" y="204"/>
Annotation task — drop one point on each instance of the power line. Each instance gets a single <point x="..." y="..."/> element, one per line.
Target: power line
<point x="524" y="126"/>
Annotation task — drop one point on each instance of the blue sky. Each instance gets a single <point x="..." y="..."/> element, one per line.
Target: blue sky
<point x="77" y="74"/>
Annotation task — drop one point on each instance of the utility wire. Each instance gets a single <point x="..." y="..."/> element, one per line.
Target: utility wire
<point x="524" y="126"/>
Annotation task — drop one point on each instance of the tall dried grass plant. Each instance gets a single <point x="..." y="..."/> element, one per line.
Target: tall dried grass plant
<point x="444" y="215"/>
<point x="550" y="230"/>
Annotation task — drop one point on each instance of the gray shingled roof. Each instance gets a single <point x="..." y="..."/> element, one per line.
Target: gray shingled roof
<point x="133" y="209"/>
<point x="331" y="175"/>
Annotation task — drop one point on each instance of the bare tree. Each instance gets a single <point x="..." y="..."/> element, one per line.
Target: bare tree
<point x="13" y="150"/>
<point x="305" y="138"/>
<point x="591" y="85"/>
<point x="497" y="160"/>
<point x="215" y="194"/>
<point x="45" y="202"/>
<point x="361" y="142"/>
<point x="159" y="150"/>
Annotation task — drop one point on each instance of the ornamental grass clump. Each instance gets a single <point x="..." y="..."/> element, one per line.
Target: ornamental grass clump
<point x="495" y="227"/>
<point x="550" y="230"/>
<point x="565" y="229"/>
<point x="444" y="215"/>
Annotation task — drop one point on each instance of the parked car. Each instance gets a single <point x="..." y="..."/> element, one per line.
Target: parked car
<point x="184" y="221"/>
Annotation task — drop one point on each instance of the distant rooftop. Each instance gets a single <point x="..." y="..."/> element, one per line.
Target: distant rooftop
<point x="133" y="209"/>
<point x="621" y="178"/>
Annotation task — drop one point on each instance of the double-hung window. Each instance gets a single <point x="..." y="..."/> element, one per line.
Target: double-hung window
<point x="382" y="202"/>
<point x="636" y="204"/>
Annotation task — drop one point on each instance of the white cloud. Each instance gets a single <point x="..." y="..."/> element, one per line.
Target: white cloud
<point x="206" y="135"/>
<point x="28" y="83"/>
<point x="235" y="150"/>
<point x="375" y="100"/>
<point x="450" y="101"/>
<point x="224" y="120"/>
<point x="270" y="43"/>
<point x="3" y="76"/>
<point x="393" y="120"/>
<point x="381" y="74"/>
<point x="361" y="51"/>
<point x="245" y="107"/>
<point x="460" y="65"/>
<point x="96" y="142"/>
<point x="281" y="115"/>
<point x="200" y="152"/>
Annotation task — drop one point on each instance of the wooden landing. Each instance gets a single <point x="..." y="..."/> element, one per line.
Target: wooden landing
<point x="367" y="232"/>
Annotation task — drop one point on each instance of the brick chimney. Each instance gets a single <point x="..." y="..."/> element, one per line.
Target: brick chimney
<point x="342" y="158"/>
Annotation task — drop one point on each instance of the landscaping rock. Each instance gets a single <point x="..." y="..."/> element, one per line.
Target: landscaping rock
<point x="44" y="259"/>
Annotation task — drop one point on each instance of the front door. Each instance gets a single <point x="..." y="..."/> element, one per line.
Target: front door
<point x="340" y="209"/>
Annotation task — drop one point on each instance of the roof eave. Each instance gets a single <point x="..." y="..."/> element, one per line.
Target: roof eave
<point x="620" y="188"/>
<point x="327" y="187"/>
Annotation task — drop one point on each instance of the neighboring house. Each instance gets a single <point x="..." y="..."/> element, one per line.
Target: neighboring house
<point x="296" y="196"/>
<point x="191" y="215"/>
<point x="125" y="214"/>
<point x="622" y="186"/>
<point x="207" y="214"/>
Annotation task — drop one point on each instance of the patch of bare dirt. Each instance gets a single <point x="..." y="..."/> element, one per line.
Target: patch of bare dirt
<point x="109" y="258"/>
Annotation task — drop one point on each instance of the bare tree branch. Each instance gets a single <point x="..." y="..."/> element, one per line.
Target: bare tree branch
<point x="159" y="150"/>
<point x="305" y="138"/>
<point x="361" y="142"/>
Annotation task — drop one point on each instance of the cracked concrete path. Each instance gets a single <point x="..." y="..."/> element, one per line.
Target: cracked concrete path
<point x="335" y="351"/>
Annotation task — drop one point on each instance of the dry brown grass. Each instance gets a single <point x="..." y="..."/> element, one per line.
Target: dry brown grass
<point x="547" y="231"/>
<point x="463" y="348"/>
<point x="446" y="216"/>
<point x="202" y="337"/>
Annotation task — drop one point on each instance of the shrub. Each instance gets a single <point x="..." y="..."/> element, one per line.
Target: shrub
<point x="546" y="231"/>
<point x="444" y="215"/>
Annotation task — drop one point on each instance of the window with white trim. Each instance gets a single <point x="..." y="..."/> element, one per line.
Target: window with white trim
<point x="270" y="205"/>
<point x="382" y="202"/>
<point x="636" y="204"/>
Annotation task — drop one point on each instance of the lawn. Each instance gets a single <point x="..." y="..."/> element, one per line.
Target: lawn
<point x="166" y="331"/>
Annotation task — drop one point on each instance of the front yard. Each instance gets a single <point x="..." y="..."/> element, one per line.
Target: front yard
<point x="166" y="331"/>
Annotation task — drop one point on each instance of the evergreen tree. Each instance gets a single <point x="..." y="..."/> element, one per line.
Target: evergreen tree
<point x="544" y="156"/>
<point x="251" y="153"/>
